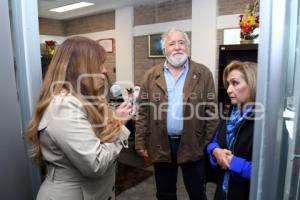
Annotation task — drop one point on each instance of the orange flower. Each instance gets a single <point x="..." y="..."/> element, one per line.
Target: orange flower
<point x="50" y="43"/>
<point x="249" y="21"/>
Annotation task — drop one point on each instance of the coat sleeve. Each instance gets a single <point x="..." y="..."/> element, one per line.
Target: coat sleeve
<point x="210" y="147"/>
<point x="241" y="167"/>
<point x="142" y="123"/>
<point x="74" y="135"/>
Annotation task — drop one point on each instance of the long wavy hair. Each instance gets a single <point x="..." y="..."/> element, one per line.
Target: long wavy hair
<point x="75" y="68"/>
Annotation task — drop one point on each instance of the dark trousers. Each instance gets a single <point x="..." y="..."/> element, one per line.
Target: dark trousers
<point x="166" y="177"/>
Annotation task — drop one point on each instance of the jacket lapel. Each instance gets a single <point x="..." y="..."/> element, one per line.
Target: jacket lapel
<point x="192" y="79"/>
<point x="160" y="80"/>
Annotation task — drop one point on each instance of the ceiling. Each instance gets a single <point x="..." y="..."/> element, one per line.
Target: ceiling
<point x="100" y="6"/>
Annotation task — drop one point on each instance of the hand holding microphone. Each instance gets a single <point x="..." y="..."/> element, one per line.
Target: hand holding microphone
<point x="124" y="112"/>
<point x="117" y="97"/>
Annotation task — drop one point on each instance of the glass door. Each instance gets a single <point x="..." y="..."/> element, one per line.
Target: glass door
<point x="292" y="107"/>
<point x="276" y="153"/>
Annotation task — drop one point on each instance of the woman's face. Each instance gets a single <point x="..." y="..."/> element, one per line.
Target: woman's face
<point x="102" y="85"/>
<point x="103" y="74"/>
<point x="238" y="90"/>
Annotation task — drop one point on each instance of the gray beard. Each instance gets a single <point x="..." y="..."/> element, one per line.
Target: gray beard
<point x="177" y="61"/>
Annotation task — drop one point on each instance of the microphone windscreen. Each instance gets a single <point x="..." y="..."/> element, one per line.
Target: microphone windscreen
<point x="116" y="91"/>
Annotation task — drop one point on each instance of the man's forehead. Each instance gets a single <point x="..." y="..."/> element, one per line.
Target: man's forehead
<point x="175" y="35"/>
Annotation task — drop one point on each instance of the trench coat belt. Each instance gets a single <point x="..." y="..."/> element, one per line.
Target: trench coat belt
<point x="63" y="174"/>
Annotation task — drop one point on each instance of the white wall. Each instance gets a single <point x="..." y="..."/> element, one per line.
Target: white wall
<point x="204" y="33"/>
<point x="124" y="44"/>
<point x="228" y="21"/>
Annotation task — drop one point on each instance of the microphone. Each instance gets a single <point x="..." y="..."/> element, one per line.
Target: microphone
<point x="116" y="94"/>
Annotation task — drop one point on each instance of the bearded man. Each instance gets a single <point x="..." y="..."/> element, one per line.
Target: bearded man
<point x="177" y="117"/>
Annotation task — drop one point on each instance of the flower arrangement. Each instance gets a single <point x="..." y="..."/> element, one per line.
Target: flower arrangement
<point x="50" y="46"/>
<point x="249" y="21"/>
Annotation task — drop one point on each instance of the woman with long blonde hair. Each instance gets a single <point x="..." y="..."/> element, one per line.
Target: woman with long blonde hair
<point x="73" y="131"/>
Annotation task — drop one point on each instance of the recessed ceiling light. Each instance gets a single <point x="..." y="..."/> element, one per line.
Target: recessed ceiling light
<point x="71" y="7"/>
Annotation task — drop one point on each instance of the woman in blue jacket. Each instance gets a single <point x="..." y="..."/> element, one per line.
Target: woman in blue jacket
<point x="230" y="150"/>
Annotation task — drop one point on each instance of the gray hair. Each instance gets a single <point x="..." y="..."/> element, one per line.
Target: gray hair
<point x="173" y="30"/>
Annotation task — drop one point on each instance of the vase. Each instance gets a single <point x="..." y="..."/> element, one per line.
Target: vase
<point x="50" y="50"/>
<point x="243" y="41"/>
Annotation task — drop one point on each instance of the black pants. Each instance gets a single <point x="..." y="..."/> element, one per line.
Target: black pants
<point x="166" y="177"/>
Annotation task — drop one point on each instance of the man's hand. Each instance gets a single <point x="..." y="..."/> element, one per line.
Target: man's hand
<point x="142" y="152"/>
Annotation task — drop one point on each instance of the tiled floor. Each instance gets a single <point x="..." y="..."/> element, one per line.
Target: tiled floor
<point x="146" y="190"/>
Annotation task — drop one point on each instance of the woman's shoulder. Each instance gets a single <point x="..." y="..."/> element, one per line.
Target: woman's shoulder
<point x="65" y="98"/>
<point x="61" y="106"/>
<point x="65" y="104"/>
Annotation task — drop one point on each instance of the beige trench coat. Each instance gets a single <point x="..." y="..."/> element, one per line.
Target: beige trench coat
<point x="200" y="106"/>
<point x="79" y="166"/>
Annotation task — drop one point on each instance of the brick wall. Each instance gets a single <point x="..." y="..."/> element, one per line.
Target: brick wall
<point x="163" y="12"/>
<point x="89" y="24"/>
<point x="51" y="27"/>
<point x="144" y="15"/>
<point x="229" y="7"/>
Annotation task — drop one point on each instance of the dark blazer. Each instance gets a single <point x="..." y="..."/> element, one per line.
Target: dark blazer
<point x="239" y="187"/>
